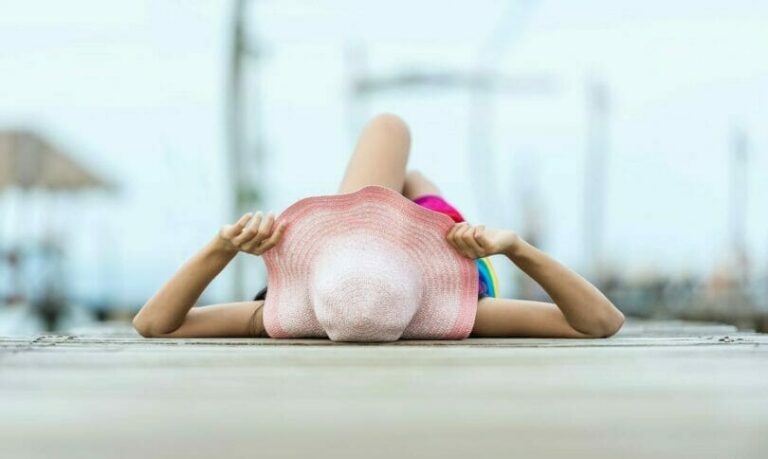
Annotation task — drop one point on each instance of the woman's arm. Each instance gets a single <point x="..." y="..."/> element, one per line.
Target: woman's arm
<point x="167" y="312"/>
<point x="580" y="309"/>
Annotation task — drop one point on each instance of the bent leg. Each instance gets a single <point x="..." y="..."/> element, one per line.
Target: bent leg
<point x="416" y="184"/>
<point x="380" y="157"/>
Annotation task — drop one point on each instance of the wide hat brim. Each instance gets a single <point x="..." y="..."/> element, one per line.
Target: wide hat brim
<point x="447" y="302"/>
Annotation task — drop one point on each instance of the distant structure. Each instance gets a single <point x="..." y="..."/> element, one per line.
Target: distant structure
<point x="528" y="193"/>
<point x="29" y="162"/>
<point x="245" y="145"/>
<point x="738" y="202"/>
<point x="482" y="81"/>
<point x="595" y="170"/>
<point x="479" y="84"/>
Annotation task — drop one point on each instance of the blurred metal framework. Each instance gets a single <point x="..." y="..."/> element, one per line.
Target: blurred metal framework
<point x="485" y="86"/>
<point x="244" y="143"/>
<point x="245" y="152"/>
<point x="482" y="81"/>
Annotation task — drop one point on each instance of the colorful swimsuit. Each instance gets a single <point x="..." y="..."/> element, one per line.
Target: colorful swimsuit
<point x="488" y="285"/>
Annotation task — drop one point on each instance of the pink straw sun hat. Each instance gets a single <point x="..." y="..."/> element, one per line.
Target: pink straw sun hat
<point x="367" y="266"/>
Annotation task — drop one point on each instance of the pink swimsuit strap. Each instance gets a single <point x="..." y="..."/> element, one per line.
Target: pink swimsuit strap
<point x="438" y="204"/>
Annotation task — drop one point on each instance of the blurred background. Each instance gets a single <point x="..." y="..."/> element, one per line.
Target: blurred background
<point x="627" y="139"/>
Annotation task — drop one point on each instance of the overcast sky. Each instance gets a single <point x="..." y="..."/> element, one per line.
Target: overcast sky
<point x="135" y="90"/>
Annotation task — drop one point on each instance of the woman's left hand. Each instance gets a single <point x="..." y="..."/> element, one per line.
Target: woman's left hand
<point x="479" y="241"/>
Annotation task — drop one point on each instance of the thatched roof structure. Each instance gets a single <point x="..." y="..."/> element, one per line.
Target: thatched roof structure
<point x="29" y="161"/>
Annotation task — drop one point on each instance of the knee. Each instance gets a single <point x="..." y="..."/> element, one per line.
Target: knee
<point x="391" y="124"/>
<point x="413" y="180"/>
<point x="417" y="184"/>
<point x="413" y="176"/>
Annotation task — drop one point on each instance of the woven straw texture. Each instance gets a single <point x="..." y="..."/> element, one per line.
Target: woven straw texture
<point x="367" y="266"/>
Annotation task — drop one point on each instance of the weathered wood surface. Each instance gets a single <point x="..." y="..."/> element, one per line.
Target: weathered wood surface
<point x="659" y="389"/>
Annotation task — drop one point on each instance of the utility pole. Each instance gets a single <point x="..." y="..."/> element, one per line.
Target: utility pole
<point x="244" y="135"/>
<point x="739" y="189"/>
<point x="595" y="168"/>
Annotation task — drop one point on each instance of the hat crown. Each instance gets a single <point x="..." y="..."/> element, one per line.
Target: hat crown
<point x="363" y="290"/>
<point x="414" y="261"/>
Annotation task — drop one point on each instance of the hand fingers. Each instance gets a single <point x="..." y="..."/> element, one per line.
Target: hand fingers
<point x="249" y="231"/>
<point x="458" y="239"/>
<point x="481" y="237"/>
<point x="265" y="229"/>
<point x="230" y="231"/>
<point x="485" y="241"/>
<point x="243" y="220"/>
<point x="273" y="239"/>
<point x="451" y="235"/>
<point x="469" y="239"/>
<point x="263" y="232"/>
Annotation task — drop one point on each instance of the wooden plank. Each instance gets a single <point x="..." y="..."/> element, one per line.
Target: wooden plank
<point x="649" y="392"/>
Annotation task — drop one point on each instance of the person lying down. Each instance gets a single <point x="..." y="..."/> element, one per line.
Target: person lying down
<point x="386" y="258"/>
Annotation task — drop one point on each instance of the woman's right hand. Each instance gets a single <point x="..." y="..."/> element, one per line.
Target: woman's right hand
<point x="252" y="233"/>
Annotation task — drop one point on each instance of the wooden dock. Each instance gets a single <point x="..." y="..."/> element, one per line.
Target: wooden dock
<point x="658" y="389"/>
